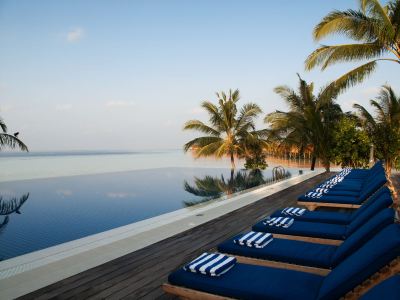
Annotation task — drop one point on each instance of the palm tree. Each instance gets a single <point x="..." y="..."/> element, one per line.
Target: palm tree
<point x="309" y="123"/>
<point x="374" y="27"/>
<point x="229" y="130"/>
<point x="384" y="127"/>
<point x="9" y="140"/>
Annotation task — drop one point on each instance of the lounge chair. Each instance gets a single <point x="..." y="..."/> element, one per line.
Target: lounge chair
<point x="331" y="200"/>
<point x="346" y="184"/>
<point x="323" y="233"/>
<point x="306" y="256"/>
<point x="389" y="289"/>
<point x="383" y="196"/>
<point x="349" y="193"/>
<point x="358" y="174"/>
<point x="377" y="260"/>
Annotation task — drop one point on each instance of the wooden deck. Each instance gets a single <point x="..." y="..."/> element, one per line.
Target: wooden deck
<point x="139" y="275"/>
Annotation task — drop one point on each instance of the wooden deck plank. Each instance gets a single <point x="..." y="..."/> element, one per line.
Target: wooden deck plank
<point x="141" y="273"/>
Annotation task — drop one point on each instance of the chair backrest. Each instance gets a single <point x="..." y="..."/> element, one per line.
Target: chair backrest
<point x="371" y="186"/>
<point x="377" y="196"/>
<point x="363" y="234"/>
<point x="378" y="252"/>
<point x="383" y="201"/>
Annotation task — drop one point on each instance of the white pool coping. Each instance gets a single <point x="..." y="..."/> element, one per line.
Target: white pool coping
<point x="29" y="272"/>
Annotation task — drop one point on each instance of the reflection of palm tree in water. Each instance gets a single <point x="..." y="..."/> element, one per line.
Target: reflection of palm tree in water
<point x="4" y="223"/>
<point x="10" y="206"/>
<point x="214" y="187"/>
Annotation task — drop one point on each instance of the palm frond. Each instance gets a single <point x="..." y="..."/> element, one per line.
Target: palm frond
<point x="377" y="11"/>
<point x="380" y="109"/>
<point x="247" y="114"/>
<point x="3" y="125"/>
<point x="354" y="76"/>
<point x="213" y="112"/>
<point x="290" y="97"/>
<point x="353" y="24"/>
<point x="210" y="149"/>
<point x="200" y="142"/>
<point x="8" y="140"/>
<point x="200" y="126"/>
<point x="365" y="116"/>
<point x="394" y="15"/>
<point x="328" y="55"/>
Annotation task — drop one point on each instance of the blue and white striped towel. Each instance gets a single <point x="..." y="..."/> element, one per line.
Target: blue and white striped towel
<point x="279" y="222"/>
<point x="287" y="222"/>
<point x="211" y="264"/>
<point x="254" y="239"/>
<point x="293" y="211"/>
<point x="314" y="195"/>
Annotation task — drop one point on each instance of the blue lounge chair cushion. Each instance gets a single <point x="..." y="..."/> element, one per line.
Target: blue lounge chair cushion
<point x="380" y="195"/>
<point x="256" y="282"/>
<point x="350" y="186"/>
<point x="319" y="230"/>
<point x="373" y="186"/>
<point x="289" y="251"/>
<point x="369" y="259"/>
<point x="326" y="230"/>
<point x="386" y="290"/>
<point x="253" y="282"/>
<point x="367" y="213"/>
<point x="377" y="223"/>
<point x="332" y="199"/>
<point x="356" y="174"/>
<point x="312" y="254"/>
<point x="338" y="192"/>
<point x="320" y="216"/>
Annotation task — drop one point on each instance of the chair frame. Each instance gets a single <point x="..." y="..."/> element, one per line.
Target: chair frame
<point x="281" y="265"/>
<point x="311" y="206"/>
<point x="309" y="239"/>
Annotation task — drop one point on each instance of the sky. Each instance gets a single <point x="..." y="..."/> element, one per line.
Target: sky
<point x="126" y="75"/>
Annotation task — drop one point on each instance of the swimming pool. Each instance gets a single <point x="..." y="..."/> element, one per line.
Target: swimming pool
<point x="39" y="213"/>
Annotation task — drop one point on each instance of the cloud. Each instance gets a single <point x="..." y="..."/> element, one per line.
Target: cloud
<point x="112" y="104"/>
<point x="75" y="35"/>
<point x="63" y="107"/>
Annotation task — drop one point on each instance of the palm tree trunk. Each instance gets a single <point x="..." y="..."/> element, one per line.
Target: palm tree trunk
<point x="388" y="167"/>
<point x="233" y="167"/>
<point x="327" y="165"/>
<point x="388" y="170"/>
<point x="313" y="161"/>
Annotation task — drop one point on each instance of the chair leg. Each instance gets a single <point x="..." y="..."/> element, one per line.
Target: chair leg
<point x="312" y="207"/>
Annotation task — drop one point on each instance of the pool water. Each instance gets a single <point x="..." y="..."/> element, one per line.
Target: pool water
<point x="39" y="213"/>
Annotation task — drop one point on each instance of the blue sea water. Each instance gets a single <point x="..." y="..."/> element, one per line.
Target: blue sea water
<point x="52" y="204"/>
